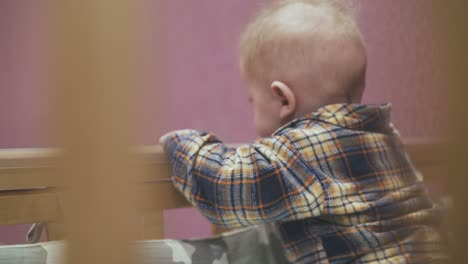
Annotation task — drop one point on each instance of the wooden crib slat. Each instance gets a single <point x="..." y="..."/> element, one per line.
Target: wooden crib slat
<point x="55" y="231"/>
<point x="28" y="178"/>
<point x="96" y="63"/>
<point x="159" y="196"/>
<point x="152" y="225"/>
<point x="44" y="205"/>
<point x="29" y="206"/>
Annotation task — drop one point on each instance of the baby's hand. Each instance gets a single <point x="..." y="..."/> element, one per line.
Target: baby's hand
<point x="165" y="137"/>
<point x="168" y="136"/>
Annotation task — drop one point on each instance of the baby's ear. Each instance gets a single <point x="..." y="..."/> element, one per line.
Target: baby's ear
<point x="286" y="96"/>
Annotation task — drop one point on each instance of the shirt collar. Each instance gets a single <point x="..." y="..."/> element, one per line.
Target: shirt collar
<point x="374" y="118"/>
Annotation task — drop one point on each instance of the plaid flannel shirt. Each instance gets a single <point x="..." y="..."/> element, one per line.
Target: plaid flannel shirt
<point x="338" y="182"/>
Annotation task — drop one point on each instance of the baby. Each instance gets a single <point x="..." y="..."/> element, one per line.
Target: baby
<point x="330" y="172"/>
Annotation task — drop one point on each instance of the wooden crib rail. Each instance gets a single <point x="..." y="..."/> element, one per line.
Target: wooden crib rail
<point x="30" y="183"/>
<point x="31" y="186"/>
<point x="37" y="167"/>
<point x="33" y="168"/>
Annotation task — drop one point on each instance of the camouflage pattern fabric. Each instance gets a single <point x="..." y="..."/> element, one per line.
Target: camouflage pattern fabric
<point x="256" y="244"/>
<point x="41" y="253"/>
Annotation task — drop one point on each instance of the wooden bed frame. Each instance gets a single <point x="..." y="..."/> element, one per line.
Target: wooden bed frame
<point x="31" y="186"/>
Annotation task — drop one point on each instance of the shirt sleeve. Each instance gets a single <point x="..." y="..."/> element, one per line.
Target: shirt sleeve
<point x="264" y="181"/>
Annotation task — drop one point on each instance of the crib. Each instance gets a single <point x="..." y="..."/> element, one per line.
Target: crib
<point x="38" y="186"/>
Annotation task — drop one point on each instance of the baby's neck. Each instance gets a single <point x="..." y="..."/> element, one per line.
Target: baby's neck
<point x="307" y="108"/>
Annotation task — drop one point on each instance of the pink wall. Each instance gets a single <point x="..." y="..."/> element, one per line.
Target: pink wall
<point x="405" y="63"/>
<point x="201" y="86"/>
<point x="204" y="89"/>
<point x="23" y="106"/>
<point x="199" y="78"/>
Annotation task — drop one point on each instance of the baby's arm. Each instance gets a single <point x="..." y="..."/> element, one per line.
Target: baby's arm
<point x="266" y="180"/>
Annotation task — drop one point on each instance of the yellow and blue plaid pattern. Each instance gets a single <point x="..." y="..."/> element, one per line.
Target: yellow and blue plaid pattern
<point x="338" y="182"/>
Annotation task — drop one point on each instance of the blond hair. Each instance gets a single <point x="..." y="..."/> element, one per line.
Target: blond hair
<point x="272" y="35"/>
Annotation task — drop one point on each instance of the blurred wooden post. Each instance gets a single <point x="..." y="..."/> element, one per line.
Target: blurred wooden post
<point x="96" y="78"/>
<point x="453" y="30"/>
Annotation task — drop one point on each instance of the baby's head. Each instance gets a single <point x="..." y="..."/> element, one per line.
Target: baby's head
<point x="299" y="55"/>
